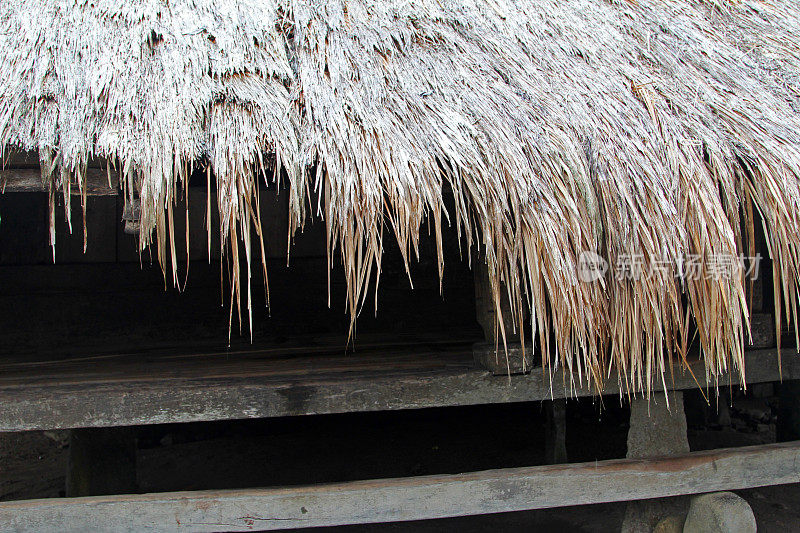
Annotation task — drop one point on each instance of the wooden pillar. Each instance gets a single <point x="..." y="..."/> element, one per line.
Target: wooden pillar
<point x="788" y="424"/>
<point x="492" y="354"/>
<point x="656" y="431"/>
<point x="555" y="447"/>
<point x="101" y="461"/>
<point x="723" y="403"/>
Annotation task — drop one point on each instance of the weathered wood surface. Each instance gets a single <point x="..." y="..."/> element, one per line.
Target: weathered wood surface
<point x="30" y="159"/>
<point x="30" y="180"/>
<point x="415" y="498"/>
<point x="105" y="392"/>
<point x="503" y="360"/>
<point x="657" y="429"/>
<point x="486" y="312"/>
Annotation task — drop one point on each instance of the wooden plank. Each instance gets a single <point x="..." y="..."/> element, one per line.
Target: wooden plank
<point x="30" y="180"/>
<point x="22" y="159"/>
<point x="300" y="387"/>
<point x="414" y="498"/>
<point x="30" y="159"/>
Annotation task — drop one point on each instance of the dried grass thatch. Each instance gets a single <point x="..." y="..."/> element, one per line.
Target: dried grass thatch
<point x="654" y="128"/>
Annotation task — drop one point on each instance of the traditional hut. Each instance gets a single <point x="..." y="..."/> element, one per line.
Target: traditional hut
<point x="603" y="156"/>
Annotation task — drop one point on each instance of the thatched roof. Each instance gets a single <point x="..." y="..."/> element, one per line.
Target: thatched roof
<point x="652" y="128"/>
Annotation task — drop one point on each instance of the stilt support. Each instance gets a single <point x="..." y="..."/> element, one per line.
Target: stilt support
<point x="101" y="461"/>
<point x="556" y="431"/>
<point x="656" y="431"/>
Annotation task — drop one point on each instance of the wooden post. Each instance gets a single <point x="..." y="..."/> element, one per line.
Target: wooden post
<point x="788" y="426"/>
<point x="555" y="447"/>
<point x="101" y="461"/>
<point x="656" y="431"/>
<point x="492" y="354"/>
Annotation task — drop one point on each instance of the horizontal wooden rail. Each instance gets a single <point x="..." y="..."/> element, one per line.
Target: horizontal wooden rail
<point x="116" y="395"/>
<point x="30" y="180"/>
<point x="415" y="498"/>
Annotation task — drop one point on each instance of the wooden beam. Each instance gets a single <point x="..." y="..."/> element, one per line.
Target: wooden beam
<point x="30" y="180"/>
<point x="120" y="396"/>
<point x="414" y="498"/>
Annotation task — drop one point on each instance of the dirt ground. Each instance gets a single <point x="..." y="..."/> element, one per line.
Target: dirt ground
<point x="373" y="445"/>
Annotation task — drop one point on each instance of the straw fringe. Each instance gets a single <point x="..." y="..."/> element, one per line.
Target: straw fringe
<point x="651" y="129"/>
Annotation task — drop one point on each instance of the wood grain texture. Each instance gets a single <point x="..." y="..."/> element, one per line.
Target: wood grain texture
<point x="30" y="180"/>
<point x="414" y="498"/>
<point x="206" y="388"/>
